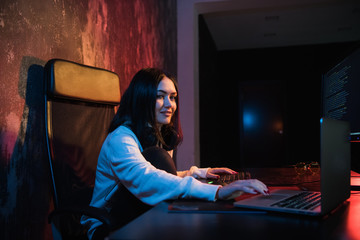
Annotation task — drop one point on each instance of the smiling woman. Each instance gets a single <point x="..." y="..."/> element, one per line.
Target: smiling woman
<point x="166" y="101"/>
<point x="135" y="169"/>
<point x="150" y="105"/>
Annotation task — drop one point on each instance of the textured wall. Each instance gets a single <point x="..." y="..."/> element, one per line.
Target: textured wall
<point x="119" y="35"/>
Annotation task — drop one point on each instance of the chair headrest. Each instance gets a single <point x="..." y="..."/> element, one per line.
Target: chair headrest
<point x="70" y="80"/>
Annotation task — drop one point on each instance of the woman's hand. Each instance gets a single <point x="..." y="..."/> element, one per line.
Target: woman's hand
<point x="213" y="172"/>
<point x="236" y="188"/>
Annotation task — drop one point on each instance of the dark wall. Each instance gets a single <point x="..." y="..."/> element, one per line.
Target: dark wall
<point x="283" y="85"/>
<point x="119" y="35"/>
<point x="216" y="114"/>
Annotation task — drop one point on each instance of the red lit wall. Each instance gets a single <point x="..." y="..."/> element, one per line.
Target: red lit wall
<point x="119" y="35"/>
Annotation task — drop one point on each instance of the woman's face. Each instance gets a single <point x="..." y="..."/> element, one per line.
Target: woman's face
<point x="165" y="101"/>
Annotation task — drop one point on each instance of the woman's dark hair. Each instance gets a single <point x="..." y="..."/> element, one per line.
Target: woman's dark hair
<point x="137" y="110"/>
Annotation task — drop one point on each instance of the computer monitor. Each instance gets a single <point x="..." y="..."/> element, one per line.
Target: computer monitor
<point x="341" y="98"/>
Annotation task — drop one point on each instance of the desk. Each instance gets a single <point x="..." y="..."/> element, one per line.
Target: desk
<point x="158" y="223"/>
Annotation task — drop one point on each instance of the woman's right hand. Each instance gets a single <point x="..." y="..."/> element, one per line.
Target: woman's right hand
<point x="236" y="188"/>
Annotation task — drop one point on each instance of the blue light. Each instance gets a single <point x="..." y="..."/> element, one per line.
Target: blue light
<point x="321" y="120"/>
<point x="248" y="119"/>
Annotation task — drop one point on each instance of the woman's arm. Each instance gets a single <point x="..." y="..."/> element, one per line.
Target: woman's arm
<point x="205" y="172"/>
<point x="152" y="185"/>
<point x="148" y="183"/>
<point x="194" y="172"/>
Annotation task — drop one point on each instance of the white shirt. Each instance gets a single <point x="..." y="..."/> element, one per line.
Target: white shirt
<point x="121" y="161"/>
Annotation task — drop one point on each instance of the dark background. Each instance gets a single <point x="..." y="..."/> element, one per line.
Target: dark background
<point x="277" y="91"/>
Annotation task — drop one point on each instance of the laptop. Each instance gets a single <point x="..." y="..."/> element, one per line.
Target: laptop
<point x="335" y="178"/>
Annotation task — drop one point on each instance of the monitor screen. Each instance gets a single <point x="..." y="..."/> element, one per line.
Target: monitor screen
<point x="341" y="93"/>
<point x="341" y="99"/>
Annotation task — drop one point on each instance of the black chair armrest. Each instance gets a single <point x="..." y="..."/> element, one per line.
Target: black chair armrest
<point x="100" y="214"/>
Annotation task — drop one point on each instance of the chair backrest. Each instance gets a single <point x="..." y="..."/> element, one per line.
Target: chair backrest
<point x="79" y="106"/>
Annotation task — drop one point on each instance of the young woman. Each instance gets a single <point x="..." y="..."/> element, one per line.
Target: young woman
<point x="135" y="168"/>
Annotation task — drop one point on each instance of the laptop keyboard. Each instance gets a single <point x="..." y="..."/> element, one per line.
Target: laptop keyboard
<point x="303" y="200"/>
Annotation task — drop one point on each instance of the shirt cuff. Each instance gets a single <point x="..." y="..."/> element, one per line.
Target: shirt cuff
<point x="198" y="172"/>
<point x="204" y="191"/>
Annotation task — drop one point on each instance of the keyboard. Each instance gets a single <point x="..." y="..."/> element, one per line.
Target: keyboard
<point x="303" y="200"/>
<point x="229" y="178"/>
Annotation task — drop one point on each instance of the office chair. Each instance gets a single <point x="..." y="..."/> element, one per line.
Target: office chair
<point x="79" y="106"/>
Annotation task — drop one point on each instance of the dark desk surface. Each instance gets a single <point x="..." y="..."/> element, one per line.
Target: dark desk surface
<point x="158" y="223"/>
